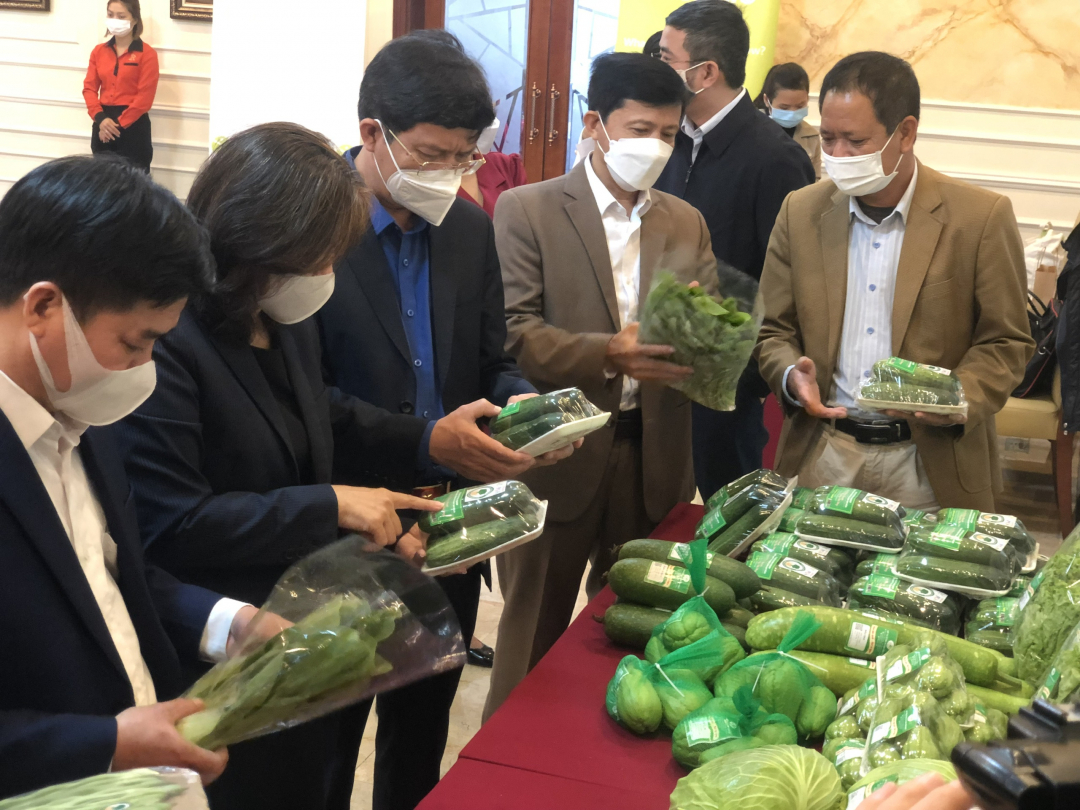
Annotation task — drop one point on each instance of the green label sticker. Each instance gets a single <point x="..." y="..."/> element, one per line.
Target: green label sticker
<point x="779" y="543"/>
<point x="870" y="639"/>
<point x="811" y="548"/>
<point x="681" y="553"/>
<point x="849" y="750"/>
<point x="883" y="564"/>
<point x="968" y="518"/>
<point x="927" y="593"/>
<point x="914" y="516"/>
<point x="902" y="365"/>
<point x="843" y="499"/>
<point x="878" y="585"/>
<point x="712" y="523"/>
<point x="899" y="725"/>
<point x="453" y="508"/>
<point x="908" y="664"/>
<point x="798" y="567"/>
<point x="668" y="576"/>
<point x="1005" y="609"/>
<point x="710" y="730"/>
<point x="1030" y="590"/>
<point x="884" y="503"/>
<point x="764" y="563"/>
<point x="996" y="543"/>
<point x="509" y="410"/>
<point x="1049" y="686"/>
<point x="947" y="537"/>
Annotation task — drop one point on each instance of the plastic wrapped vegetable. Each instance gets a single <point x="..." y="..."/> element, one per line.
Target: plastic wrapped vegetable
<point x="953" y="542"/>
<point x="766" y="478"/>
<point x="714" y="522"/>
<point x="538" y="425"/>
<point x="898" y="773"/>
<point x="971" y="579"/>
<point x="141" y="789"/>
<point x="789" y="520"/>
<point x="796" y="576"/>
<point x="935" y="608"/>
<point x="631" y="699"/>
<point x="365" y="622"/>
<point x="1061" y="684"/>
<point x="845" y="502"/>
<point x="694" y="639"/>
<point x="713" y="336"/>
<point x="987" y="725"/>
<point x="901" y="385"/>
<point x="766" y="778"/>
<point x="836" y="562"/>
<point x="846" y="756"/>
<point x="742" y="580"/>
<point x="1005" y="526"/>
<point x="991" y="621"/>
<point x="830" y="530"/>
<point x="880" y="563"/>
<point x="769" y="598"/>
<point x="802" y="498"/>
<point x="1049" y="610"/>
<point x="755" y="522"/>
<point x="724" y="725"/>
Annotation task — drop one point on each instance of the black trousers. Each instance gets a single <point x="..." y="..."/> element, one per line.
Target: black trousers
<point x="135" y="142"/>
<point x="728" y="444"/>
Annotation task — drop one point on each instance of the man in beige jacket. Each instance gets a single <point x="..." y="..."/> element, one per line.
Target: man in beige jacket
<point x="890" y="258"/>
<point x="578" y="254"/>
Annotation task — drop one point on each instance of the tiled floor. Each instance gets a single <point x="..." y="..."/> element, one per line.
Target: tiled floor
<point x="1030" y="497"/>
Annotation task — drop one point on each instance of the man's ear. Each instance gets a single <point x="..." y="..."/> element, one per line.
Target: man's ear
<point x="709" y="74"/>
<point x="41" y="302"/>
<point x="591" y="125"/>
<point x="370" y="133"/>
<point x="909" y="131"/>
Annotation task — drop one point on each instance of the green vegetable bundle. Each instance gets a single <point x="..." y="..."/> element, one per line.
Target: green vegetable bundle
<point x="929" y="606"/>
<point x="990" y="623"/>
<point x="1005" y="526"/>
<point x="527" y="420"/>
<point x="142" y="789"/>
<point x="741" y="579"/>
<point x="834" y="561"/>
<point x="1061" y="684"/>
<point x="715" y="338"/>
<point x="986" y="725"/>
<point x="881" y="563"/>
<point x="725" y="725"/>
<point x="846" y="755"/>
<point x="945" y="572"/>
<point x="766" y="478"/>
<point x="732" y="539"/>
<point x="896" y="773"/>
<point x="902" y="385"/>
<point x="953" y="542"/>
<point x="796" y="576"/>
<point x="843" y="531"/>
<point x="729" y="511"/>
<point x="692" y="638"/>
<point x="856" y="504"/>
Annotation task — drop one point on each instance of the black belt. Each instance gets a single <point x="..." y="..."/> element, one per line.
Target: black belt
<point x="875" y="432"/>
<point x="628" y="424"/>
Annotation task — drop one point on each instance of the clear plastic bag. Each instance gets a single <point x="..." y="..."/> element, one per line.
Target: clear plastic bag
<point x="957" y="543"/>
<point x="365" y="622"/>
<point x="881" y="563"/>
<point x="834" y="561"/>
<point x="1061" y="684"/>
<point x="761" y="518"/>
<point x="1004" y="526"/>
<point x="538" y="425"/>
<point x="857" y="504"/>
<point x="968" y="578"/>
<point x="766" y="478"/>
<point x="141" y="789"/>
<point x="714" y="336"/>
<point x="796" y="576"/>
<point x="476" y="523"/>
<point x="933" y="608"/>
<point x="901" y="385"/>
<point x="990" y="623"/>
<point x="728" y="512"/>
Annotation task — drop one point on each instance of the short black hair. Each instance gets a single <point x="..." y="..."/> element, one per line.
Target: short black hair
<point x="788" y="76"/>
<point x="620" y="77"/>
<point x="887" y="80"/>
<point x="439" y="35"/>
<point x="715" y="32"/>
<point x="652" y="45"/>
<point x="102" y="231"/>
<point x="423" y="80"/>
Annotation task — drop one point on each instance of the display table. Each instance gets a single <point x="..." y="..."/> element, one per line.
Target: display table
<point x="551" y="744"/>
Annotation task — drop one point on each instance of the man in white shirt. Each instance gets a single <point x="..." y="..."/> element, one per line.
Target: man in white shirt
<point x="578" y="255"/>
<point x="96" y="263"/>
<point x="891" y="259"/>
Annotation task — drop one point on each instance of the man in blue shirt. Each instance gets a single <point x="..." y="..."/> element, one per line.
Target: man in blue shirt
<point x="417" y="325"/>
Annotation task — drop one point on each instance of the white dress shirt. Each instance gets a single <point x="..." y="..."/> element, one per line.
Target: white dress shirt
<point x="699" y="133"/>
<point x="52" y="445"/>
<point x="623" y="232"/>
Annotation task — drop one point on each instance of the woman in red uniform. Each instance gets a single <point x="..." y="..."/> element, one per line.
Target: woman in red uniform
<point x="120" y="86"/>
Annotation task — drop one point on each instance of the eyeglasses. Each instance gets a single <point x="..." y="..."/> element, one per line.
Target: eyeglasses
<point x="459" y="169"/>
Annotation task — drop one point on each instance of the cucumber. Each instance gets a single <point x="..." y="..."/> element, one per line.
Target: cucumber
<point x="767" y="478"/>
<point x="520" y="435"/>
<point x="840" y="675"/>
<point x="948" y="572"/>
<point x="932" y="607"/>
<point x="888" y="616"/>
<point x="992" y="699"/>
<point x="770" y="598"/>
<point x="715" y="522"/>
<point x="956" y="543"/>
<point x="658" y="584"/>
<point x="738" y="616"/>
<point x="468" y="507"/>
<point x="632" y="625"/>
<point x="993" y="639"/>
<point x="802" y="498"/>
<point x="879" y="563"/>
<point x="998" y="613"/>
<point x="906" y="372"/>
<point x="568" y="400"/>
<point x="738" y="632"/>
<point x="849" y="531"/>
<point x="732" y="537"/>
<point x="846" y="502"/>
<point x="1005" y="526"/>
<point x="907" y="394"/>
<point x="476" y="539"/>
<point x="797" y="577"/>
<point x="742" y="580"/>
<point x="833" y="561"/>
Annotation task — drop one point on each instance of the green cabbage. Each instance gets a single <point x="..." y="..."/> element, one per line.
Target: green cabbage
<point x="772" y="777"/>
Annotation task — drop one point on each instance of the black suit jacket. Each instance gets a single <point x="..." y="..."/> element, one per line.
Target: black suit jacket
<point x="365" y="348"/>
<point x="745" y="168"/>
<point x="62" y="681"/>
<point x="217" y="486"/>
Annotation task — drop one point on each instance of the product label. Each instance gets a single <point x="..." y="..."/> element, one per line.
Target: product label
<point x="866" y="690"/>
<point x="948" y="537"/>
<point x="1050" y="684"/>
<point x="843" y="499"/>
<point x="908" y="664"/>
<point x="877" y="585"/>
<point x="812" y="548"/>
<point x="979" y="714"/>
<point x="798" y="567"/>
<point x="779" y="543"/>
<point x="509" y="410"/>
<point x="901" y="724"/>
<point x="902" y="365"/>
<point x="914" y="516"/>
<point x="883" y="564"/>
<point x="681" y="553"/>
<point x="884" y="503"/>
<point x="852" y="750"/>
<point x="996" y="543"/>
<point x="927" y="593"/>
<point x="763" y="564"/>
<point x="1005" y="609"/>
<point x="710" y="730"/>
<point x="1008" y="521"/>
<point x="712" y="523"/>
<point x="1029" y="591"/>
<point x="859" y="662"/>
<point x="870" y="639"/>
<point x="453" y="508"/>
<point x="668" y="576"/>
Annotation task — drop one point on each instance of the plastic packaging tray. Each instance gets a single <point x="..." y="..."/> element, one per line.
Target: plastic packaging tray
<point x="981" y="593"/>
<point x="909" y="407"/>
<point x="831" y="541"/>
<point x="492" y="552"/>
<point x="566" y="434"/>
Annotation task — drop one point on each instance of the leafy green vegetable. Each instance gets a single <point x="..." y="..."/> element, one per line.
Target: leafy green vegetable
<point x="142" y="789"/>
<point x="713" y="337"/>
<point x="1048" y="612"/>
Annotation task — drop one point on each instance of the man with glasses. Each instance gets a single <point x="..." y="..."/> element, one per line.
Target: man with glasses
<point x="735" y="166"/>
<point x="416" y="325"/>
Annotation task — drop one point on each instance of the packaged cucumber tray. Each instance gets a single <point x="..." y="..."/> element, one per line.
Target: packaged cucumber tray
<point x="843" y="516"/>
<point x="478" y="523"/>
<point x="548" y="422"/>
<point x="901" y="385"/>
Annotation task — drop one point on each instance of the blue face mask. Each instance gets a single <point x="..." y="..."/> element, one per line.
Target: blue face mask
<point x="789" y="119"/>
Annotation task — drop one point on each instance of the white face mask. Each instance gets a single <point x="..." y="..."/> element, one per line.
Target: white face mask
<point x="428" y="194"/>
<point x="298" y="298"/>
<point x="486" y="141"/>
<point x="860" y="175"/>
<point x="97" y="395"/>
<point x="583" y="149"/>
<point x="636" y="163"/>
<point x="118" y="28"/>
<point x="682" y="75"/>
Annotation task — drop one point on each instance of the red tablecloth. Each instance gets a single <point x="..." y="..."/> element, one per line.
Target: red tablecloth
<point x="552" y="735"/>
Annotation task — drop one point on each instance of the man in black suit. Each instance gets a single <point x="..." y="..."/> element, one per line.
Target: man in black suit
<point x="736" y="166"/>
<point x="417" y="325"/>
<point x="96" y="263"/>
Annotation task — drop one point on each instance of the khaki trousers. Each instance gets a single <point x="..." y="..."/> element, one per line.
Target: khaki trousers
<point x="892" y="471"/>
<point x="540" y="580"/>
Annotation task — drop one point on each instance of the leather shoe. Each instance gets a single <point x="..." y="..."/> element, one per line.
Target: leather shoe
<point x="484" y="656"/>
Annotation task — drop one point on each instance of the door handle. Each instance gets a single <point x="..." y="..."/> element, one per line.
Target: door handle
<point x="534" y="131"/>
<point x="553" y="132"/>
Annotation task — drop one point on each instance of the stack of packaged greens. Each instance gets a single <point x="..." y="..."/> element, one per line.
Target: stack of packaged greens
<point x="890" y="597"/>
<point x="948" y="556"/>
<point x="714" y="336"/>
<point x="837" y="562"/>
<point x="901" y="385"/>
<point x="795" y="576"/>
<point x="842" y="516"/>
<point x="538" y="425"/>
<point x="990" y="623"/>
<point x="742" y="511"/>
<point x="142" y="789"/>
<point x="1004" y="526"/>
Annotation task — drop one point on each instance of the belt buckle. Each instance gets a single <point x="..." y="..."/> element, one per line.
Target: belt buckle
<point x="430" y="493"/>
<point x="888" y="433"/>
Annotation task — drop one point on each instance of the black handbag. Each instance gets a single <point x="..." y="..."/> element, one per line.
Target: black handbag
<point x="1039" y="374"/>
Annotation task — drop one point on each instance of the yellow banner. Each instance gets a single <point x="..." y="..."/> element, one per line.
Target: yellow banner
<point x="640" y="19"/>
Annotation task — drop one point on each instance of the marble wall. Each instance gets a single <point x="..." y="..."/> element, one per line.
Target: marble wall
<point x="1023" y="53"/>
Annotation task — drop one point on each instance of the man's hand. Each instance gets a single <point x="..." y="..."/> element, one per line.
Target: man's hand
<point x="245" y="627"/>
<point x="373" y="512"/>
<point x="555" y="456"/>
<point x="457" y="443"/>
<point x="932" y="419"/>
<point x="412" y="546"/>
<point x="641" y="361"/>
<point x="108" y="131"/>
<point x="802" y="387"/>
<point x="146" y="737"/>
<point x="928" y="792"/>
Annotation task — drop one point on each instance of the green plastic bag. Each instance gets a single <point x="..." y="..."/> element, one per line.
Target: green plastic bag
<point x="724" y="725"/>
<point x="784" y="684"/>
<point x="631" y="699"/>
